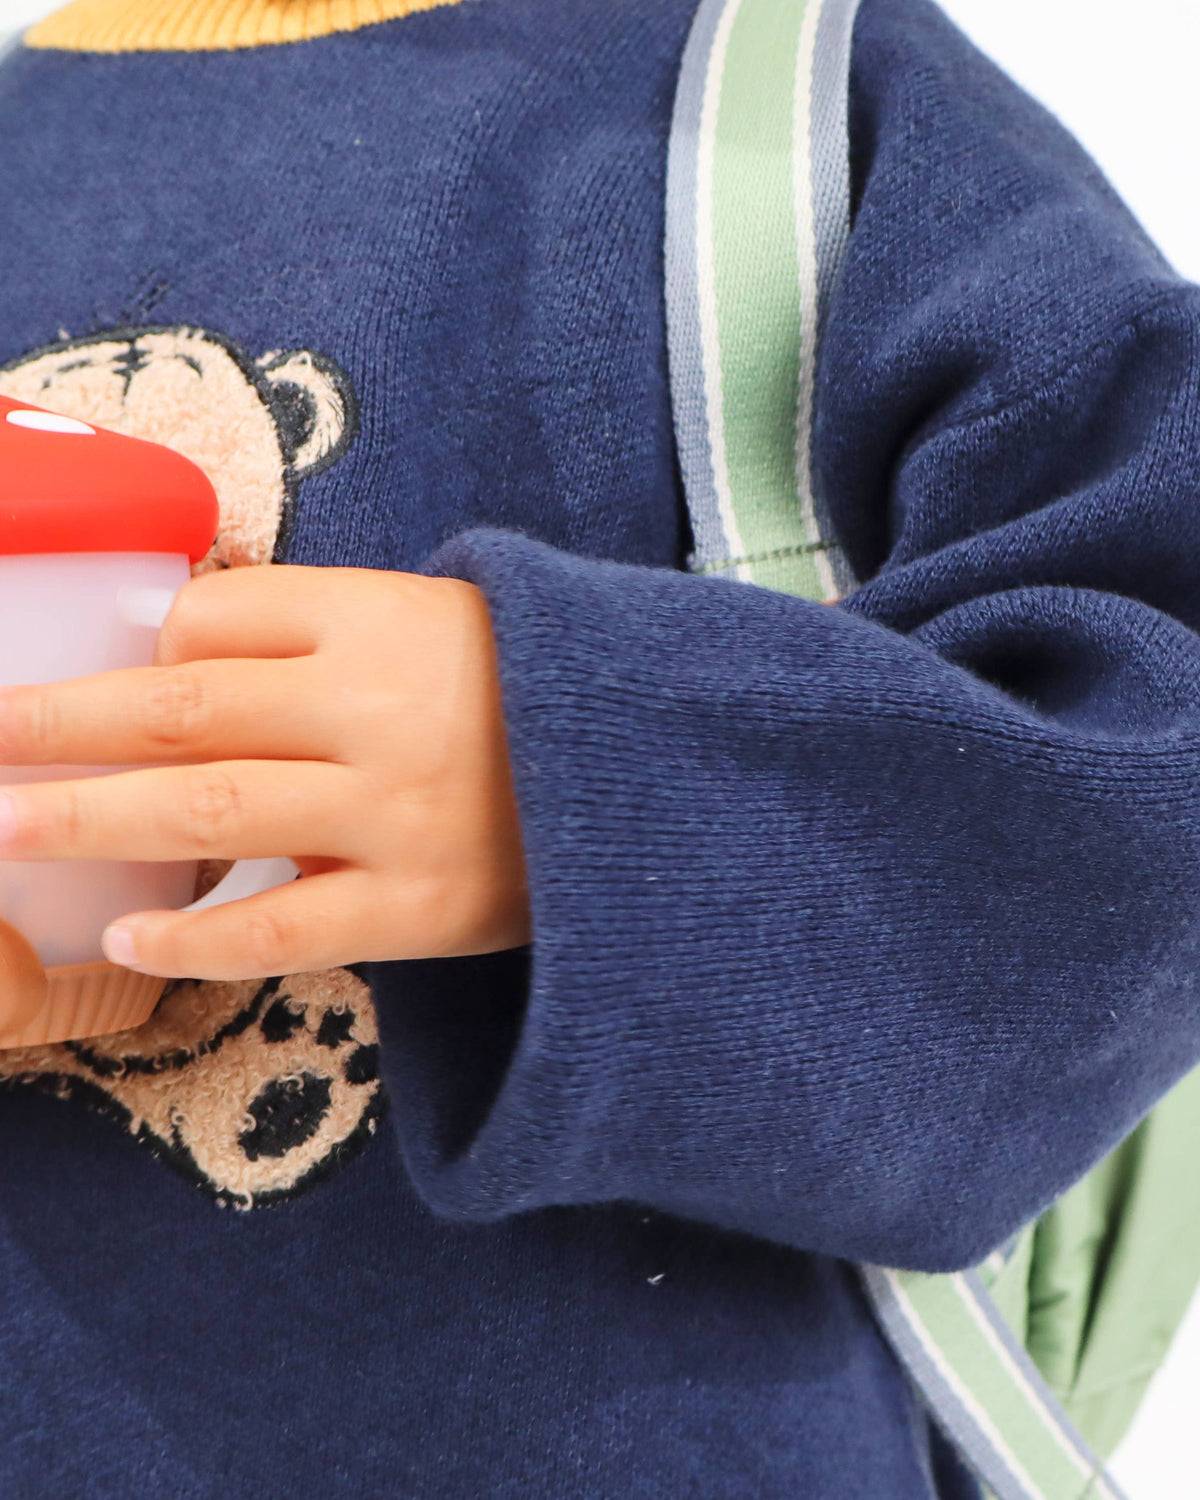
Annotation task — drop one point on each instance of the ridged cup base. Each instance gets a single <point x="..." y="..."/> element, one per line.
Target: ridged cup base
<point x="89" y="1000"/>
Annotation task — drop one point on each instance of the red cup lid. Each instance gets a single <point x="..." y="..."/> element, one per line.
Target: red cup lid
<point x="66" y="486"/>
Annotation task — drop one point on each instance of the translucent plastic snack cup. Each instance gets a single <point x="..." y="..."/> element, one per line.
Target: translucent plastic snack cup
<point x="98" y="532"/>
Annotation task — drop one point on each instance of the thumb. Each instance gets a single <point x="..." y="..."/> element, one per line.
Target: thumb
<point x="22" y="984"/>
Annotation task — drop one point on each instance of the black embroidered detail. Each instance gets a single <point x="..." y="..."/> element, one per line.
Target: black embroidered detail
<point x="131" y="362"/>
<point x="286" y="1113"/>
<point x="75" y="364"/>
<point x="148" y="292"/>
<point x="111" y="1067"/>
<point x="335" y="1028"/>
<point x="295" y="413"/>
<point x="362" y="1066"/>
<point x="282" y="1021"/>
<point x="179" y="1158"/>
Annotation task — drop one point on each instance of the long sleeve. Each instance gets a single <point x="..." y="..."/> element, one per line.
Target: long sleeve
<point x="866" y="929"/>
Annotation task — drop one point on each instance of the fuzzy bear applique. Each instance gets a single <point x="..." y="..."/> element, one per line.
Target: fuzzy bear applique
<point x="255" y="1090"/>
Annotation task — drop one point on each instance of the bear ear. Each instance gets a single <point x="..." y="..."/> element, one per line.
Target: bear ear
<point x="314" y="407"/>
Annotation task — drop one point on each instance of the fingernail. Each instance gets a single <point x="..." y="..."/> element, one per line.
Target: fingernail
<point x="117" y="945"/>
<point x="9" y="820"/>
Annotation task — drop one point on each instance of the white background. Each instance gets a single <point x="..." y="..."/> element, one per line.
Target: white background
<point x="1125" y="79"/>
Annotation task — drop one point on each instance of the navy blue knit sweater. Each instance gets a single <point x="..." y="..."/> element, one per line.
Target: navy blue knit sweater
<point x="859" y="932"/>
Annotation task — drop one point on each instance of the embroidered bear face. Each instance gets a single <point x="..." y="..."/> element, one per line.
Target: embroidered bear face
<point x="257" y="427"/>
<point x="254" y="1091"/>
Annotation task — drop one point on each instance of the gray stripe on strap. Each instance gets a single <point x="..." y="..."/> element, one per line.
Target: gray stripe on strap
<point x="684" y="346"/>
<point x="831" y="144"/>
<point x="950" y="1397"/>
<point x="830" y="136"/>
<point x="985" y="1305"/>
<point x="942" y="1398"/>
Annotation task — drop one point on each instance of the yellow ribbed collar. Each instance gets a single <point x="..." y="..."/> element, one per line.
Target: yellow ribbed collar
<point x="208" y="25"/>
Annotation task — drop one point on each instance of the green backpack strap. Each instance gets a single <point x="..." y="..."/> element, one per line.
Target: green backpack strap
<point x="757" y="225"/>
<point x="757" y="222"/>
<point x="984" y="1390"/>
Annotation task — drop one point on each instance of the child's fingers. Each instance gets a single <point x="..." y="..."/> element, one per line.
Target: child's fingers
<point x="264" y="611"/>
<point x="205" y="710"/>
<point x="317" y="922"/>
<point x="227" y="810"/>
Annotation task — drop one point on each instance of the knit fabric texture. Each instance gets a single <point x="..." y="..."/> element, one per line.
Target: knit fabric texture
<point x="859" y="932"/>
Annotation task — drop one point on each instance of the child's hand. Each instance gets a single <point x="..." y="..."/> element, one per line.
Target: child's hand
<point x="346" y="717"/>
